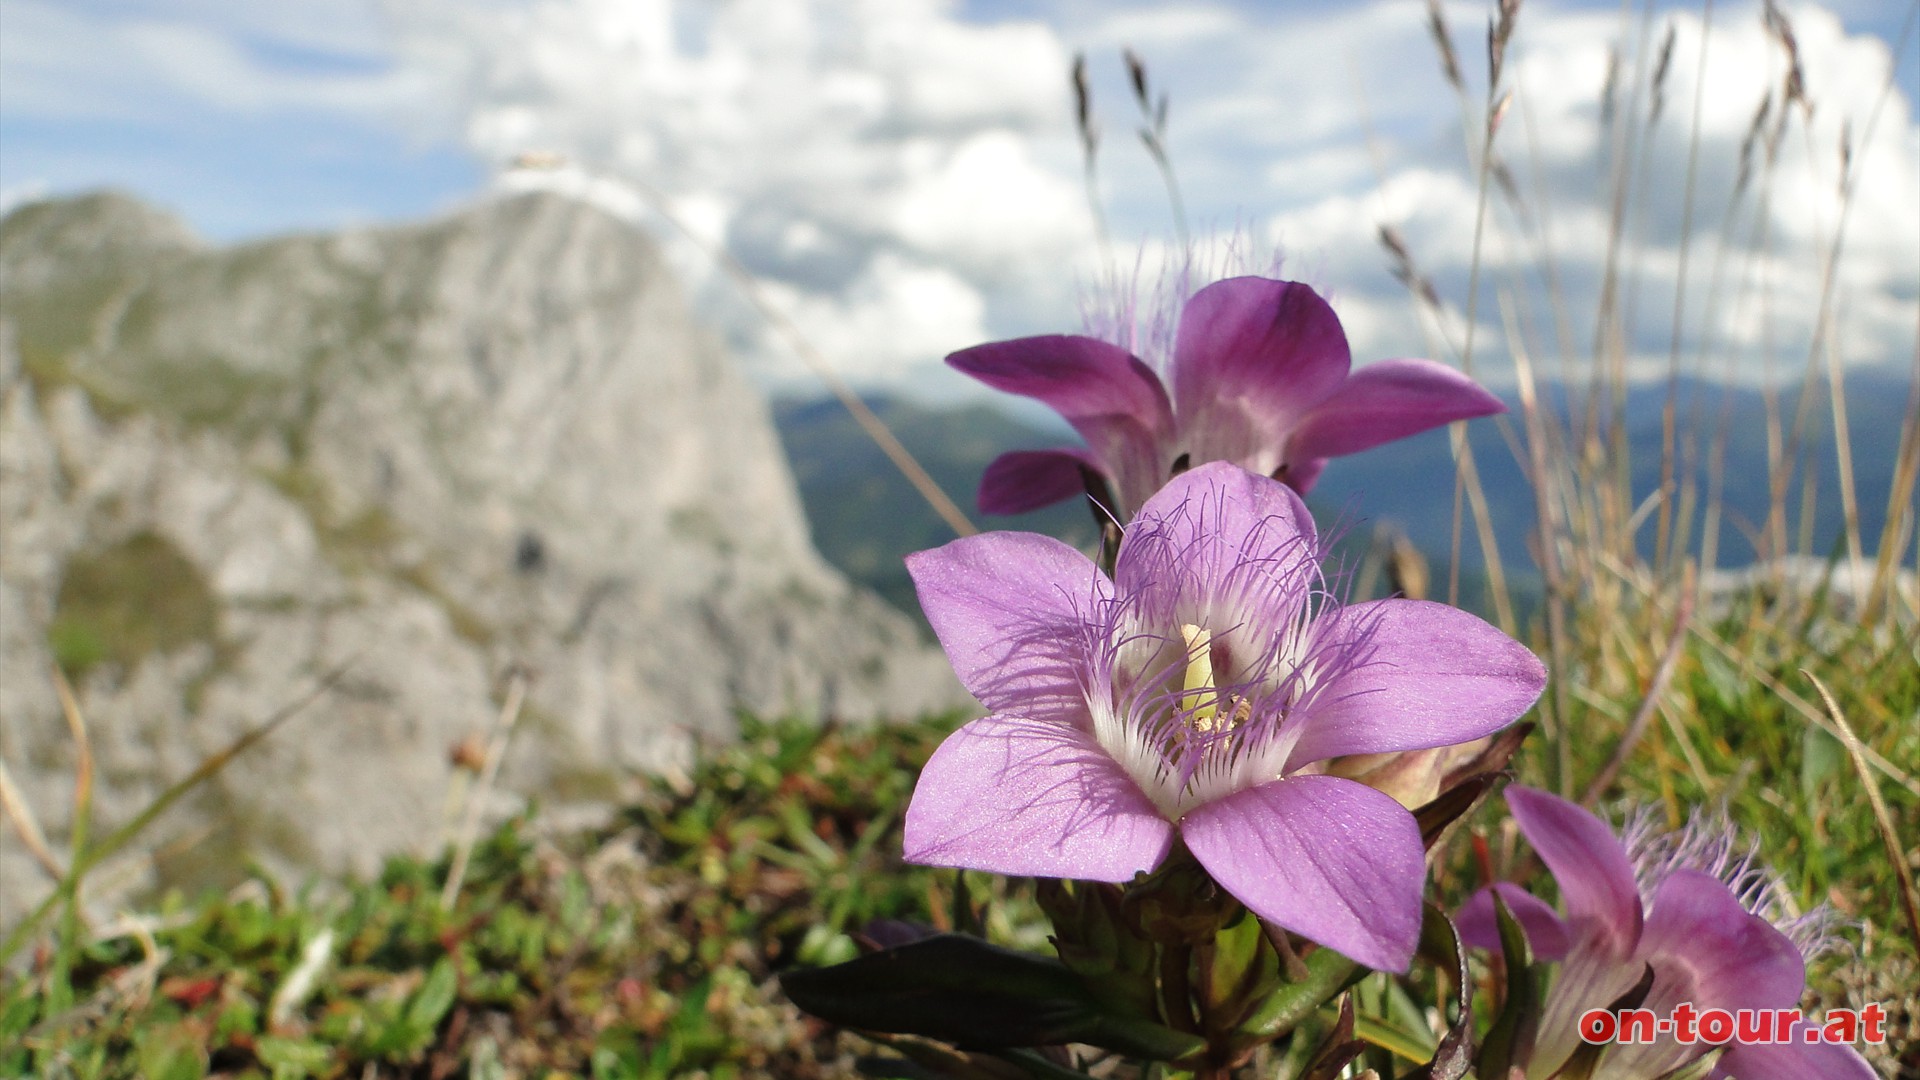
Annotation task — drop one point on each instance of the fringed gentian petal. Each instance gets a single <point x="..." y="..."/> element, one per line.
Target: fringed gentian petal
<point x="1110" y="397"/>
<point x="1330" y="859"/>
<point x="1691" y="908"/>
<point x="1023" y="480"/>
<point x="1015" y="796"/>
<point x="1478" y="924"/>
<point x="1261" y="376"/>
<point x="1595" y="878"/>
<point x="1172" y="698"/>
<point x="1384" y="401"/>
<point x="1008" y="608"/>
<point x="1251" y="359"/>
<point x="1409" y="695"/>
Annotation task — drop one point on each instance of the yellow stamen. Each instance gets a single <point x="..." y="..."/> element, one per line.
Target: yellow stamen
<point x="1198" y="695"/>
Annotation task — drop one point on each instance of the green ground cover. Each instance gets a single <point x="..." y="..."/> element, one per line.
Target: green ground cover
<point x="650" y="947"/>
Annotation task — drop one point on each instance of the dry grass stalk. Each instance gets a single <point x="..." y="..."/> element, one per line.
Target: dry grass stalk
<point x="483" y="786"/>
<point x="1153" y="134"/>
<point x="1672" y="526"/>
<point x="78" y="855"/>
<point x="1883" y="821"/>
<point x="1660" y="69"/>
<point x="1656" y="688"/>
<point x="83" y="760"/>
<point x="26" y="826"/>
<point x="87" y="856"/>
<point x="1443" y="42"/>
<point x="1741" y="656"/>
<point x="1499" y="35"/>
<point x="1794" y="87"/>
<point x="1089" y="130"/>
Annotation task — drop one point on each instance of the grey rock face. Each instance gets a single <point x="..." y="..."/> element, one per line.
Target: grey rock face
<point x="425" y="453"/>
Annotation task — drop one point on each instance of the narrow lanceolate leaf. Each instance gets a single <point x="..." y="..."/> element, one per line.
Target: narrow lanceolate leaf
<point x="1328" y="973"/>
<point x="1511" y="1036"/>
<point x="1440" y="944"/>
<point x="1338" y="1049"/>
<point x="1407" y="1044"/>
<point x="1244" y="967"/>
<point x="1453" y="804"/>
<point x="974" y="994"/>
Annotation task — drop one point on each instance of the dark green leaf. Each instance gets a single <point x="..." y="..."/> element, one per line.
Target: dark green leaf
<point x="1337" y="1050"/>
<point x="1513" y="1030"/>
<point x="971" y="993"/>
<point x="965" y="919"/>
<point x="1453" y="804"/>
<point x="1440" y="944"/>
<point x="1328" y="973"/>
<point x="434" y="998"/>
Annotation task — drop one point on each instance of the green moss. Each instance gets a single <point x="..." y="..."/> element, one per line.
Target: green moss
<point x="796" y="594"/>
<point x="211" y="393"/>
<point x="274" y="604"/>
<point x="123" y="603"/>
<point x="370" y="533"/>
<point x="301" y="485"/>
<point x="59" y="319"/>
<point x="221" y="858"/>
<point x="582" y="782"/>
<point x="359" y="544"/>
<point x="365" y="544"/>
<point x="698" y="524"/>
<point x="76" y="646"/>
<point x="467" y="624"/>
<point x="48" y="371"/>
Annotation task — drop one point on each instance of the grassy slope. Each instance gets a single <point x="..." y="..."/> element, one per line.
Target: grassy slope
<point x="644" y="949"/>
<point x="647" y="949"/>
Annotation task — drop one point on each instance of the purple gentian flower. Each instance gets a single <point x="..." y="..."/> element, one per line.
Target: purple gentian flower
<point x="1261" y="376"/>
<point x="1693" y="906"/>
<point x="1192" y="694"/>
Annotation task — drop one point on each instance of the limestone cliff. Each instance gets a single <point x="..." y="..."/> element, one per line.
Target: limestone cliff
<point x="426" y="453"/>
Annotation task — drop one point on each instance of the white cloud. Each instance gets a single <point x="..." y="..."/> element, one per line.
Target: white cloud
<point x="906" y="179"/>
<point x="146" y="61"/>
<point x="1326" y="181"/>
<point x="879" y="161"/>
<point x="894" y="320"/>
<point x="966" y="202"/>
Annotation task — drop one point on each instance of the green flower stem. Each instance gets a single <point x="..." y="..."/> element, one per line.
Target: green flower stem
<point x="1176" y="987"/>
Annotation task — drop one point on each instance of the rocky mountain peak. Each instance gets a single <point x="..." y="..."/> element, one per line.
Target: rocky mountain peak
<point x="426" y="453"/>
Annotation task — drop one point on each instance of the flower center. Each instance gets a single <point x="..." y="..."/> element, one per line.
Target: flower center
<point x="1186" y="721"/>
<point x="1200" y="699"/>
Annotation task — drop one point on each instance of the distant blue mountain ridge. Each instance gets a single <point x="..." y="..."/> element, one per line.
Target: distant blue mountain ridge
<point x="866" y="517"/>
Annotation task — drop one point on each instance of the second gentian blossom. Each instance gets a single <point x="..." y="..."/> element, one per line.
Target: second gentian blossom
<point x="1192" y="695"/>
<point x="1689" y="909"/>
<point x="1260" y="374"/>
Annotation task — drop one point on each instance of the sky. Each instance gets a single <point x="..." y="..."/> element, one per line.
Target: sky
<point x="903" y="178"/>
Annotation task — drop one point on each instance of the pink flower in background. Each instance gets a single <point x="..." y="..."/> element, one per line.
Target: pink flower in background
<point x="1260" y="374"/>
<point x="1691" y="905"/>
<point x="1190" y="694"/>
